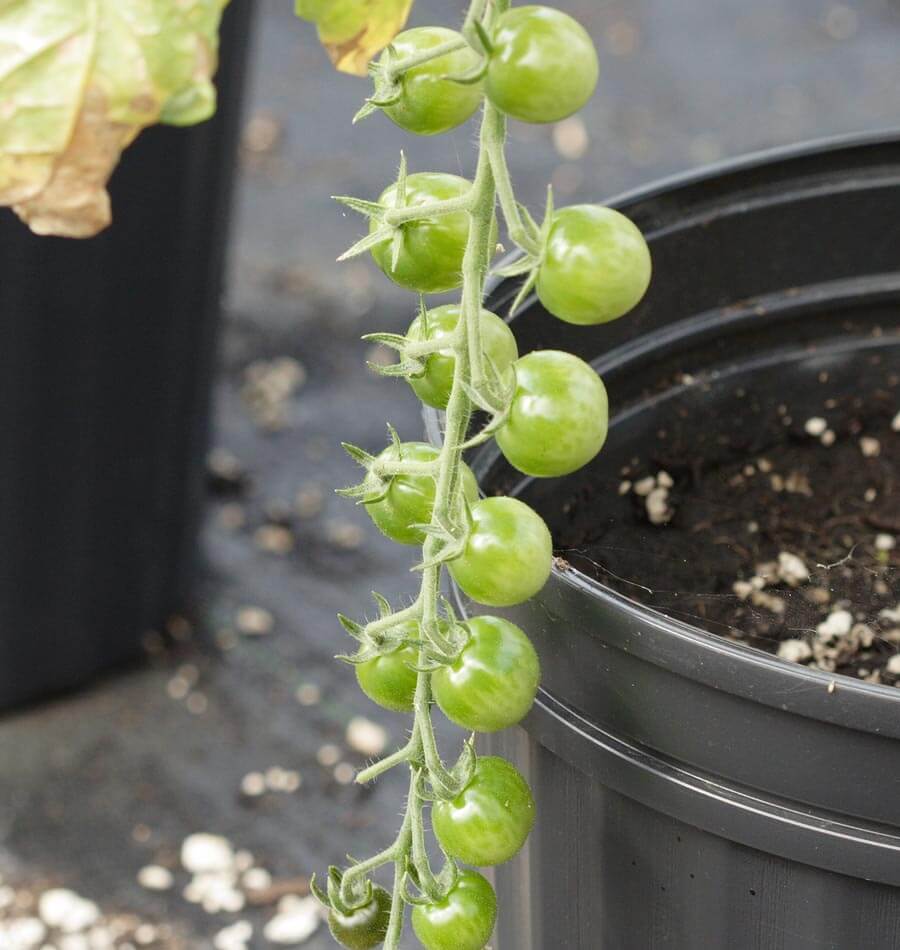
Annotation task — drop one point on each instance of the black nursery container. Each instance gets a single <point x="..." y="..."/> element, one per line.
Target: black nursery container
<point x="106" y="348"/>
<point x="693" y="793"/>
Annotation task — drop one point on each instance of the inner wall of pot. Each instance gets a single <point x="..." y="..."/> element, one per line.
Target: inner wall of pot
<point x="773" y="311"/>
<point x="750" y="484"/>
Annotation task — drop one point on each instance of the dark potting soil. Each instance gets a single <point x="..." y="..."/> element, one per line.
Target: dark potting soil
<point x="787" y="540"/>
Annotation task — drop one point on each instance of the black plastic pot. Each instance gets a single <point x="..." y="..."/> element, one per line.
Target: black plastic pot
<point x="106" y="349"/>
<point x="694" y="792"/>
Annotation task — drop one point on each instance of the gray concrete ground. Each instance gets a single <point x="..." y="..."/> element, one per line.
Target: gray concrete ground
<point x="98" y="785"/>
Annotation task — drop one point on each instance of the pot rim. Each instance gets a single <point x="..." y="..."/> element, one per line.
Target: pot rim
<point x="849" y="141"/>
<point x="753" y="817"/>
<point x="816" y="694"/>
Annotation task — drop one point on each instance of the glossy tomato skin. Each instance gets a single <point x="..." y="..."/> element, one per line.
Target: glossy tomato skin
<point x="508" y="555"/>
<point x="366" y="927"/>
<point x="390" y="680"/>
<point x="490" y="820"/>
<point x="429" y="103"/>
<point x="596" y="268"/>
<point x="559" y="416"/>
<point x="492" y="683"/>
<point x="410" y="498"/>
<point x="464" y="920"/>
<point x="543" y="66"/>
<point x="497" y="340"/>
<point x="431" y="257"/>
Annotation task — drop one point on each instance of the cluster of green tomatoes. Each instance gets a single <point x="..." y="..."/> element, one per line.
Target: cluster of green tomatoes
<point x="537" y="65"/>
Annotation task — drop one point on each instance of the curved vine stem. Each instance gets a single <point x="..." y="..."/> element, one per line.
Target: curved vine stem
<point x="494" y="146"/>
<point x="429" y="776"/>
<point x="421" y="751"/>
<point x="396" y="69"/>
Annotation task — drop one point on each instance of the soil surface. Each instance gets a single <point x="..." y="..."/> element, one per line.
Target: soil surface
<point x="788" y="544"/>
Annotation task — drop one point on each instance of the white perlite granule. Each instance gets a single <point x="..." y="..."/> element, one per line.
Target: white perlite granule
<point x="296" y="921"/>
<point x="366" y="737"/>
<point x="870" y="448"/>
<point x="815" y="426"/>
<point x="885" y="542"/>
<point x="838" y="624"/>
<point x="797" y="651"/>
<point x="65" y="910"/>
<point x="205" y="854"/>
<point x="791" y="569"/>
<point x="155" y="878"/>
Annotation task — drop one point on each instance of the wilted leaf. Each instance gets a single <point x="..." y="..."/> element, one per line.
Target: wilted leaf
<point x="354" y="31"/>
<point x="310" y="9"/>
<point x="79" y="79"/>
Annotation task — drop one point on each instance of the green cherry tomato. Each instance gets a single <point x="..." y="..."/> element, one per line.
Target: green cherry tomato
<point x="430" y="103"/>
<point x="493" y="682"/>
<point x="508" y="555"/>
<point x="410" y="498"/>
<point x="389" y="680"/>
<point x="596" y="267"/>
<point x="434" y="386"/>
<point x="366" y="927"/>
<point x="490" y="820"/>
<point x="463" y="920"/>
<point x="559" y="415"/>
<point x="543" y="66"/>
<point x="431" y="254"/>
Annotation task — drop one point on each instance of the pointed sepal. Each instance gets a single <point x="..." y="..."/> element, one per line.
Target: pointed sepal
<point x="356" y="630"/>
<point x="360" y="456"/>
<point x="377" y="237"/>
<point x="516" y="268"/>
<point x="369" y="209"/>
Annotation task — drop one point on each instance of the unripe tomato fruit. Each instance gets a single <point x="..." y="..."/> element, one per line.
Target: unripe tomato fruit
<point x="431" y="257"/>
<point x="493" y="682"/>
<point x="490" y="819"/>
<point x="410" y="498"/>
<point x="389" y="680"/>
<point x="543" y="66"/>
<point x="429" y="103"/>
<point x="497" y="341"/>
<point x="463" y="920"/>
<point x="596" y="267"/>
<point x="508" y="555"/>
<point x="559" y="415"/>
<point x="364" y="928"/>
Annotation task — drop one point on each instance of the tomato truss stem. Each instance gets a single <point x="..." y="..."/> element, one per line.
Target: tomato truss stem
<point x="409" y="849"/>
<point x="475" y="385"/>
<point x="389" y="621"/>
<point x="395" y="70"/>
<point x="519" y="232"/>
<point x="402" y="467"/>
<point x="403" y="754"/>
<point x="359" y="871"/>
<point x="394" y="217"/>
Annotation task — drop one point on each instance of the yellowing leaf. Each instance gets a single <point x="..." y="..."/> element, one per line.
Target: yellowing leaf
<point x="79" y="80"/>
<point x="354" y="31"/>
<point x="310" y="9"/>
